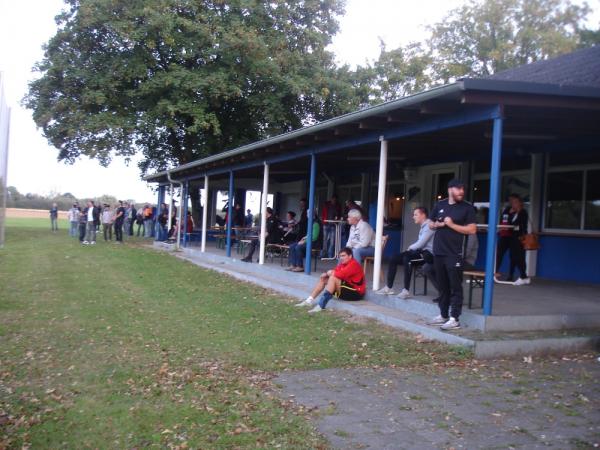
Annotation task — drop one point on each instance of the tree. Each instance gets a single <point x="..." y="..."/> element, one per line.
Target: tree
<point x="176" y="80"/>
<point x="401" y="72"/>
<point x="481" y="38"/>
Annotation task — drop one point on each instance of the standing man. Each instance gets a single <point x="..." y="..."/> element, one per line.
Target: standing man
<point x="332" y="210"/>
<point x="148" y="221"/>
<point x="107" y="222"/>
<point x="93" y="218"/>
<point x="119" y="219"/>
<point x="454" y="220"/>
<point x="249" y="220"/>
<point x="54" y="217"/>
<point x="131" y="215"/>
<point x="74" y="220"/>
<point x="361" y="238"/>
<point x="421" y="249"/>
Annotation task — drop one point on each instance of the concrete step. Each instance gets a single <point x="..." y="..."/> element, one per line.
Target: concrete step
<point x="408" y="315"/>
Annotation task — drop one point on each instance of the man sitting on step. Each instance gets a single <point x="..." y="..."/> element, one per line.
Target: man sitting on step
<point x="345" y="282"/>
<point x="421" y="249"/>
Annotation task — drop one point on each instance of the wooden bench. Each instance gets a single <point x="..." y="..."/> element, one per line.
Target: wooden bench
<point x="476" y="279"/>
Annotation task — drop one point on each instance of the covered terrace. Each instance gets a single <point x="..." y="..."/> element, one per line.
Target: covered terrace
<point x="473" y="123"/>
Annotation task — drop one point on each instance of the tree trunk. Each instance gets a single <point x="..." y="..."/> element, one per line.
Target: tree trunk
<point x="196" y="208"/>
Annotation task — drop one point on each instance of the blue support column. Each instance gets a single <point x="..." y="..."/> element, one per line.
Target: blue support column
<point x="310" y="213"/>
<point x="495" y="179"/>
<point x="184" y="200"/>
<point x="229" y="213"/>
<point x="161" y="199"/>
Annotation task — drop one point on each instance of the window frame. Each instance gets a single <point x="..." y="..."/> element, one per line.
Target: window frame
<point x="581" y="231"/>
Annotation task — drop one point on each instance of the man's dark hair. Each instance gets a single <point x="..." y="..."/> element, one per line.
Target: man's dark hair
<point x="347" y="251"/>
<point x="423" y="210"/>
<point x="514" y="195"/>
<point x="292" y="213"/>
<point x="270" y="210"/>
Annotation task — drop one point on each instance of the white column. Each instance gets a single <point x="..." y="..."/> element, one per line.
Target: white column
<point x="204" y="214"/>
<point x="171" y="194"/>
<point x="263" y="215"/>
<point x="380" y="210"/>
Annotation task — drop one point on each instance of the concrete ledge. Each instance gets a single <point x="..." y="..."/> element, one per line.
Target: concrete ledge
<point x="522" y="347"/>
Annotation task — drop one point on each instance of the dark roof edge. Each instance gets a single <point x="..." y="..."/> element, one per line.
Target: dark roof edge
<point x="474" y="84"/>
<point x="336" y="121"/>
<point x="527" y="87"/>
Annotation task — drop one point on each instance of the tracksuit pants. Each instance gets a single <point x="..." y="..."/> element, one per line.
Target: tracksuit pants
<point x="449" y="277"/>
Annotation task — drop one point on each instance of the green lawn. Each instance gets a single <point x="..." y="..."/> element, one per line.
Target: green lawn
<point x="120" y="346"/>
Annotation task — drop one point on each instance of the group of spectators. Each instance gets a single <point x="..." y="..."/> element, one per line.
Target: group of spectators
<point x="123" y="219"/>
<point x="446" y="246"/>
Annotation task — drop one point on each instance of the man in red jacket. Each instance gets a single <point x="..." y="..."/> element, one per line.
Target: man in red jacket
<point x="345" y="282"/>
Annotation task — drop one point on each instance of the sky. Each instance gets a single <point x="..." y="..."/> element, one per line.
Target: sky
<point x="25" y="25"/>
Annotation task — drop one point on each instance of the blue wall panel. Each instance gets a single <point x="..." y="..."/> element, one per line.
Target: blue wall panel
<point x="569" y="258"/>
<point x="560" y="258"/>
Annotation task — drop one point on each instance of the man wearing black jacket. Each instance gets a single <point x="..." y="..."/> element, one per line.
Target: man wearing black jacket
<point x="453" y="219"/>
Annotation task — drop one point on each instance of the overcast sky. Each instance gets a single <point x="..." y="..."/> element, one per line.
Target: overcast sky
<point x="27" y="24"/>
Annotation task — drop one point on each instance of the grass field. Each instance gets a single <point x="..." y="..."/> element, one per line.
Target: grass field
<point x="113" y="346"/>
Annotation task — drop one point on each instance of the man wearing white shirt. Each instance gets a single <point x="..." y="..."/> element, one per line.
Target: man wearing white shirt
<point x="361" y="238"/>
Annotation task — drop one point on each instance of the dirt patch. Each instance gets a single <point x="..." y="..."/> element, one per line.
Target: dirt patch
<point x="32" y="213"/>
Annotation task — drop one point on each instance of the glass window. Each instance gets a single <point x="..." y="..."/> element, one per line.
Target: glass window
<point x="564" y="203"/>
<point x="592" y="200"/>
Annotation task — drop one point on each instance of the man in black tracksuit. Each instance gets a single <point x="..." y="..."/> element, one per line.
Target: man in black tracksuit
<point x="453" y="219"/>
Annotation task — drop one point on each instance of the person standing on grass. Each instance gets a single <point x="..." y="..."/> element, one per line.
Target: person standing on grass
<point x="119" y="219"/>
<point x="82" y="227"/>
<point x="139" y="220"/>
<point x="107" y="222"/>
<point x="345" y="282"/>
<point x="131" y="214"/>
<point x="74" y="220"/>
<point x="54" y="217"/>
<point x="453" y="220"/>
<point x="92" y="219"/>
<point x="148" y="221"/>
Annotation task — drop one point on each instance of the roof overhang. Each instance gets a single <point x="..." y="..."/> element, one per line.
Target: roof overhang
<point x="421" y="112"/>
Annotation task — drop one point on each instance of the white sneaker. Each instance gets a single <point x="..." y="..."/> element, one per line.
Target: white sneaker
<point x="451" y="324"/>
<point x="93" y="242"/>
<point x="437" y="320"/>
<point x="85" y="242"/>
<point x="404" y="294"/>
<point x="316" y="309"/>
<point x="308" y="302"/>
<point x="385" y="291"/>
<point x="522" y="281"/>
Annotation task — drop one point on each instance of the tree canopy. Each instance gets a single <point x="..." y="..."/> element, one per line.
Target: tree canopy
<point x="176" y="80"/>
<point x="480" y="38"/>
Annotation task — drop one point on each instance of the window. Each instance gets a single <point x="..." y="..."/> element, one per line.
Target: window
<point x="564" y="200"/>
<point x="512" y="183"/>
<point x="573" y="200"/>
<point x="592" y="200"/>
